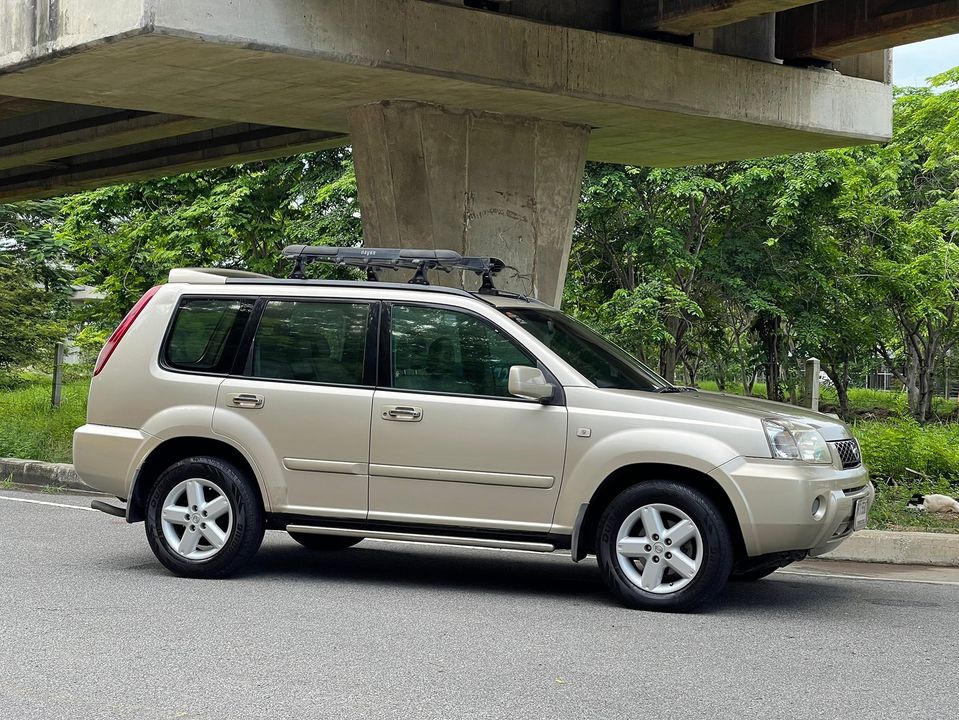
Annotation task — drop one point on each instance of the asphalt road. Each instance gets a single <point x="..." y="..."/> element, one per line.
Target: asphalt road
<point x="93" y="627"/>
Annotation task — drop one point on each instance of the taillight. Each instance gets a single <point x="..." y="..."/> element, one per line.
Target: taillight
<point x="121" y="330"/>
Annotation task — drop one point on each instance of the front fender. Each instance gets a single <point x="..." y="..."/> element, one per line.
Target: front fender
<point x="590" y="463"/>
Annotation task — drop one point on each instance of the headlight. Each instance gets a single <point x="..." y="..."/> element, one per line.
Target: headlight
<point x="789" y="440"/>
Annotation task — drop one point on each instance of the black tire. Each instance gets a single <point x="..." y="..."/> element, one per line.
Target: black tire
<point x="717" y="547"/>
<point x="245" y="529"/>
<point x="312" y="541"/>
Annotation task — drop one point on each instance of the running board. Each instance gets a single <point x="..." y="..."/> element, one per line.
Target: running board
<point x="423" y="538"/>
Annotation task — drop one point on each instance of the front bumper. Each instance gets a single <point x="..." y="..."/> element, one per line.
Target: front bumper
<point x="785" y="506"/>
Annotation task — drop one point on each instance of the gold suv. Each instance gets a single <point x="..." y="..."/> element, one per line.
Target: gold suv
<point x="227" y="403"/>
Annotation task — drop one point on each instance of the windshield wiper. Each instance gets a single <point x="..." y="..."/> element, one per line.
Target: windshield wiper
<point x="674" y="389"/>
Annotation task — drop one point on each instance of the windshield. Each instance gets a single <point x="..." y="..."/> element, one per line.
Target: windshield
<point x="601" y="362"/>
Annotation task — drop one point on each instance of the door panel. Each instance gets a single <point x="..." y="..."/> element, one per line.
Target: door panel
<point x="449" y="445"/>
<point x="301" y="401"/>
<point x="475" y="461"/>
<point x="320" y="435"/>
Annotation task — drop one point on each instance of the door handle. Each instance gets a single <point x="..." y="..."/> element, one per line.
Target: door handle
<point x="248" y="401"/>
<point x="402" y="413"/>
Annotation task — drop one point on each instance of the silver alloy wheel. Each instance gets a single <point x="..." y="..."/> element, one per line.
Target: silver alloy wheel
<point x="659" y="548"/>
<point x="196" y="519"/>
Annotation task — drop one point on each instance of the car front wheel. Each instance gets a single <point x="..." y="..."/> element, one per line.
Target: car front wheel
<point x="664" y="546"/>
<point x="203" y="518"/>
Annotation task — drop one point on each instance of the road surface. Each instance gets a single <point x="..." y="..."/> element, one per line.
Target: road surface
<point x="93" y="627"/>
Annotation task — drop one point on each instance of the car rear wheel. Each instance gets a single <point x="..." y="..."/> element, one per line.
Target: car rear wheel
<point x="312" y="541"/>
<point x="204" y="518"/>
<point x="664" y="546"/>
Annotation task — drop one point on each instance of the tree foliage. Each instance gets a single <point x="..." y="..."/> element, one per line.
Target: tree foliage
<point x="33" y="285"/>
<point x="125" y="238"/>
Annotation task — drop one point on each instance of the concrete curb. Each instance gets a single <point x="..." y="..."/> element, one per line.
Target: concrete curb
<point x="899" y="548"/>
<point x="57" y="476"/>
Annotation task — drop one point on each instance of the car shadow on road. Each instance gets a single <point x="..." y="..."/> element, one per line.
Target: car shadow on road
<point x="440" y="568"/>
<point x="790" y="593"/>
<point x="520" y="574"/>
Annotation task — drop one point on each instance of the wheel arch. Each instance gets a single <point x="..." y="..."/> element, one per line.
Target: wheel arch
<point x="637" y="473"/>
<point x="173" y="450"/>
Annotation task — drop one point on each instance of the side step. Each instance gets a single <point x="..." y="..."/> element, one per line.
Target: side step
<point x="108" y="509"/>
<point x="423" y="538"/>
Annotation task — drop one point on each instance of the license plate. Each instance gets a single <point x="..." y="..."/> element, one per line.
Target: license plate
<point x="861" y="514"/>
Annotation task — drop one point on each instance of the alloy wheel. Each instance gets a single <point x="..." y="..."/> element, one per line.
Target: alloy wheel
<point x="196" y="519"/>
<point x="659" y="548"/>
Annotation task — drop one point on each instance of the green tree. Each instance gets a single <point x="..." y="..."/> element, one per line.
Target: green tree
<point x="28" y="329"/>
<point x="125" y="238"/>
<point x="901" y="203"/>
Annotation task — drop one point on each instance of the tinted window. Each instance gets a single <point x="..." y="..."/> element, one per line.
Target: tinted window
<point x="447" y="351"/>
<point x="598" y="360"/>
<point x="308" y="341"/>
<point x="206" y="334"/>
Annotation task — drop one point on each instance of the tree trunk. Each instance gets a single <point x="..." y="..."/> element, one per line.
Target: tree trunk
<point x="767" y="326"/>
<point x="924" y="392"/>
<point x="841" y="382"/>
<point x="670" y="353"/>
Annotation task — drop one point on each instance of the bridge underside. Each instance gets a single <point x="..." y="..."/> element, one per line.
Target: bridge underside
<point x="93" y="92"/>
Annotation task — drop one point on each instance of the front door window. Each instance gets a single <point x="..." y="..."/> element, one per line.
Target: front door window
<point x="445" y="351"/>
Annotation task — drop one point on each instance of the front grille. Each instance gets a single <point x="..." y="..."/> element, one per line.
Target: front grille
<point x="849" y="453"/>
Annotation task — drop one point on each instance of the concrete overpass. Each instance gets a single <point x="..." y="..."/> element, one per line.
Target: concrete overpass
<point x="470" y="120"/>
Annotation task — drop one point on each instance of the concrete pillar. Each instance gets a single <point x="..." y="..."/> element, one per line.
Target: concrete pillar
<point x="811" y="384"/>
<point x="474" y="182"/>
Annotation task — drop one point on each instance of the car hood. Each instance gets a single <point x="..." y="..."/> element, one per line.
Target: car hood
<point x="830" y="427"/>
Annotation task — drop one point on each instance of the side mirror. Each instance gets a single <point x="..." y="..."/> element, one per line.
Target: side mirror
<point x="529" y="383"/>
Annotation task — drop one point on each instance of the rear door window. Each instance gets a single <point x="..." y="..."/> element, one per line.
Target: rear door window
<point x="312" y="342"/>
<point x="206" y="333"/>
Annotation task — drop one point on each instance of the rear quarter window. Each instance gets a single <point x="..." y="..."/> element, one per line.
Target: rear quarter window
<point x="206" y="333"/>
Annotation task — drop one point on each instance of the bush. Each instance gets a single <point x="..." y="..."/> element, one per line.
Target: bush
<point x="882" y="403"/>
<point x="890" y="448"/>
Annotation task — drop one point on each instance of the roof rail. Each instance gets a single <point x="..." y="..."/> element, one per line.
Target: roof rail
<point x="210" y="276"/>
<point x="374" y="260"/>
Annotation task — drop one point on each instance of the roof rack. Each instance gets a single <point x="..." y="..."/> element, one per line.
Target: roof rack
<point x="375" y="260"/>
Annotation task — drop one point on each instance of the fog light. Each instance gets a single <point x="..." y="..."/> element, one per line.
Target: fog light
<point x="818" y="508"/>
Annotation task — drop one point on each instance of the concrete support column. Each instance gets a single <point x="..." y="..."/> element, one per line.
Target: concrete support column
<point x="478" y="183"/>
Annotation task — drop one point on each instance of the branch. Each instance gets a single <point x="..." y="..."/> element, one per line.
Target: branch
<point x="891" y="364"/>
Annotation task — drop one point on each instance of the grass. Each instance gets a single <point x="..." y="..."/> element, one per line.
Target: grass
<point x="33" y="430"/>
<point x="890" y="510"/>
<point x="733" y="388"/>
<point x="862" y="401"/>
<point x="904" y="458"/>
